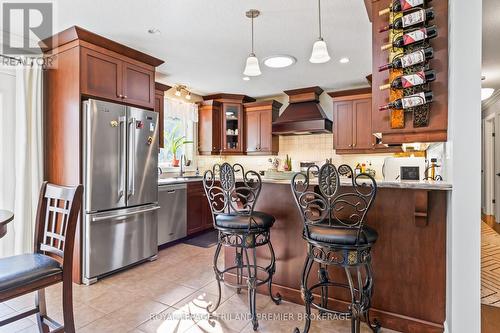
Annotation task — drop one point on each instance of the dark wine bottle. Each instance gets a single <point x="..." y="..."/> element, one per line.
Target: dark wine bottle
<point x="411" y="19"/>
<point x="402" y="5"/>
<point x="409" y="101"/>
<point x="409" y="59"/>
<point x="412" y="37"/>
<point x="411" y="80"/>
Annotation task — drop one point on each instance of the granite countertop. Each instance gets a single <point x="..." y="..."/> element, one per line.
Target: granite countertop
<point x="417" y="185"/>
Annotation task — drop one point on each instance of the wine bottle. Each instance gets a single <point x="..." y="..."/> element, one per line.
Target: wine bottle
<point x="410" y="19"/>
<point x="411" y="80"/>
<point x="402" y="5"/>
<point x="412" y="37"/>
<point x="409" y="101"/>
<point x="409" y="59"/>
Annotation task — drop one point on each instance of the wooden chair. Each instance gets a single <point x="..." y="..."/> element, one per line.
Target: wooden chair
<point x="52" y="259"/>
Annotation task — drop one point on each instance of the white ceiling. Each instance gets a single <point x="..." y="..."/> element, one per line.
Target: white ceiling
<point x="491" y="44"/>
<point x="205" y="43"/>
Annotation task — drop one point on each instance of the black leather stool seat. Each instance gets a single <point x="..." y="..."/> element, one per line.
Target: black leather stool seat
<point x="343" y="236"/>
<point x="17" y="271"/>
<point x="234" y="221"/>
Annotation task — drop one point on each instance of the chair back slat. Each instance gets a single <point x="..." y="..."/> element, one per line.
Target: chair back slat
<point x="57" y="216"/>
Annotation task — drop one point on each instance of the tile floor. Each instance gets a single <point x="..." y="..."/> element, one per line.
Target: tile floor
<point x="168" y="295"/>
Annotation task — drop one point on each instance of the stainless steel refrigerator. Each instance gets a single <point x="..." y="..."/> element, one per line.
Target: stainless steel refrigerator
<point x="121" y="187"/>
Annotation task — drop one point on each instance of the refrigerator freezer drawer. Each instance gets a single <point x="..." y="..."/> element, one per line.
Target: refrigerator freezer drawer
<point x="116" y="239"/>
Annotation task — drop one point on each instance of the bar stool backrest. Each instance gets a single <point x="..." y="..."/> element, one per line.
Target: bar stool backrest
<point x="231" y="190"/>
<point x="331" y="205"/>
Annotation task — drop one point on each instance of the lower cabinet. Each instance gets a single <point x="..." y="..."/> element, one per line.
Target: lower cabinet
<point x="199" y="215"/>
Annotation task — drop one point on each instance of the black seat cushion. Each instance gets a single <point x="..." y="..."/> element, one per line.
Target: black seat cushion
<point x="343" y="236"/>
<point x="234" y="221"/>
<point x="21" y="270"/>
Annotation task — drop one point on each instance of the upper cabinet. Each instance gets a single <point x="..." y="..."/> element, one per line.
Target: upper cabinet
<point x="259" y="117"/>
<point x="232" y="128"/>
<point x="423" y="123"/>
<point x="209" y="128"/>
<point x="115" y="79"/>
<point x="222" y="124"/>
<point x="159" y="107"/>
<point x="353" y="133"/>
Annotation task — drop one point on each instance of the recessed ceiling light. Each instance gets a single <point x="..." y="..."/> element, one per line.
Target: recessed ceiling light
<point x="246" y="78"/>
<point x="486" y="93"/>
<point x="344" y="60"/>
<point x="154" y="31"/>
<point x="279" y="61"/>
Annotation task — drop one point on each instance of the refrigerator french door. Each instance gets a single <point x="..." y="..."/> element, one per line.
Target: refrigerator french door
<point x="121" y="193"/>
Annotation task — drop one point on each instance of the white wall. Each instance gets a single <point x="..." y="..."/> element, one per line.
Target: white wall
<point x="464" y="132"/>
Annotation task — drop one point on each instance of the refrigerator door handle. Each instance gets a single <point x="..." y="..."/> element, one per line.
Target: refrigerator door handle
<point x="131" y="158"/>
<point x="123" y="137"/>
<point x="135" y="212"/>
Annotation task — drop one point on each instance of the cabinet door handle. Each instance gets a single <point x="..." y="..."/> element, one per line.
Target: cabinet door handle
<point x="119" y="96"/>
<point x="124" y="96"/>
<point x="354" y="145"/>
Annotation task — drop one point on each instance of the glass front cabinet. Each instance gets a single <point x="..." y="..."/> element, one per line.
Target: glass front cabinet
<point x="232" y="128"/>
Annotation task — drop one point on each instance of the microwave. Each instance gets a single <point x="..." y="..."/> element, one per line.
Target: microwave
<point x="404" y="168"/>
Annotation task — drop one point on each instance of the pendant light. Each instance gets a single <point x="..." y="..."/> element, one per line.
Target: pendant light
<point x="252" y="67"/>
<point x="319" y="53"/>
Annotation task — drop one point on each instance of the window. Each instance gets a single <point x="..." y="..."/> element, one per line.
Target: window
<point x="179" y="135"/>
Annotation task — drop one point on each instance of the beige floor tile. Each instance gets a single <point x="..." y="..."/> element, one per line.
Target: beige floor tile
<point x="105" y="324"/>
<point x="138" y="312"/>
<point x="169" y="321"/>
<point x="16" y="326"/>
<point x="5" y="310"/>
<point x="22" y="302"/>
<point x="212" y="288"/>
<point x="171" y="293"/>
<point x="112" y="300"/>
<point x="83" y="315"/>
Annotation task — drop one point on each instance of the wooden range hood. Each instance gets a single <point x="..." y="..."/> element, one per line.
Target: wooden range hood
<point x="303" y="115"/>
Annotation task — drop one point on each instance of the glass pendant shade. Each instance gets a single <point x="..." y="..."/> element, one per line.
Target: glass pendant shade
<point x="252" y="67"/>
<point x="319" y="53"/>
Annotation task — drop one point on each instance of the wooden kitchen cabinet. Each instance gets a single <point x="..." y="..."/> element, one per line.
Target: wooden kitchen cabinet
<point x="221" y="124"/>
<point x="114" y="78"/>
<point x="259" y="117"/>
<point x="232" y="129"/>
<point x="352" y="117"/>
<point x="209" y="128"/>
<point x="199" y="216"/>
<point x="160" y="108"/>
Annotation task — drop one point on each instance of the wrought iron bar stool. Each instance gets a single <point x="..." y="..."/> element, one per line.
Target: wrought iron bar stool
<point x="335" y="233"/>
<point x="232" y="203"/>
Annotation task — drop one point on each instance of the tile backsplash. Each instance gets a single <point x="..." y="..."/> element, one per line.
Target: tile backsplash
<point x="312" y="148"/>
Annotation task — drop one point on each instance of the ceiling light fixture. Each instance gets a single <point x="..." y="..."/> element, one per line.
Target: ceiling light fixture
<point x="178" y="92"/>
<point x="279" y="61"/>
<point x="344" y="60"/>
<point x="188" y="96"/>
<point x="252" y="67"/>
<point x="319" y="53"/>
<point x="486" y="93"/>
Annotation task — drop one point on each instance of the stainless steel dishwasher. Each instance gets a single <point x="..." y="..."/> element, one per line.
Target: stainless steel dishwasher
<point x="172" y="216"/>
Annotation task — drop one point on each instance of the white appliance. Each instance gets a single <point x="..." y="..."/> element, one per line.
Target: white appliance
<point x="404" y="168"/>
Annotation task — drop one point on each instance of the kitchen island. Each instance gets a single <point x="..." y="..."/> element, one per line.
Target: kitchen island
<point x="409" y="258"/>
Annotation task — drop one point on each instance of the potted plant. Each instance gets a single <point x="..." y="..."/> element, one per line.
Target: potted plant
<point x="173" y="143"/>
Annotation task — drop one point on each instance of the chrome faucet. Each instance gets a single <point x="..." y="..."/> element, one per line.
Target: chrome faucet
<point x="182" y="164"/>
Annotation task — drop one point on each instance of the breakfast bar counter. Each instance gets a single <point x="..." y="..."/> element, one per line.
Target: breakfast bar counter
<point x="409" y="257"/>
